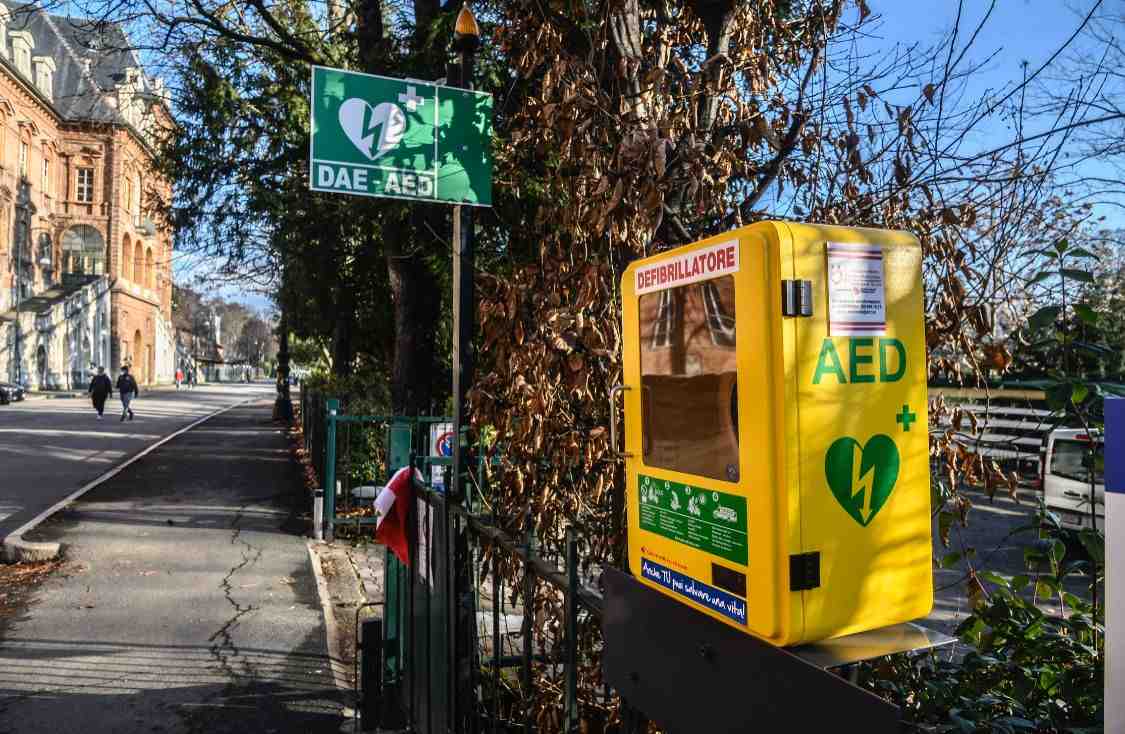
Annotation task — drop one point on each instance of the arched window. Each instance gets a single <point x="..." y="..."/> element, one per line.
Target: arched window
<point x="150" y="272"/>
<point x="138" y="265"/>
<point x="126" y="257"/>
<point x="83" y="251"/>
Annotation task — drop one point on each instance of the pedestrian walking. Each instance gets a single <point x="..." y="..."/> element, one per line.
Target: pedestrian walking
<point x="100" y="389"/>
<point x="179" y="377"/>
<point x="193" y="377"/>
<point x="127" y="390"/>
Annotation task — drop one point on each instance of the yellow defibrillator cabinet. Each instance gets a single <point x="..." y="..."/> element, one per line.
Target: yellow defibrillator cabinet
<point x="775" y="429"/>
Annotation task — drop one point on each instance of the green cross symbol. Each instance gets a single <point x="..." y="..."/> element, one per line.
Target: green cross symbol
<point x="906" y="417"/>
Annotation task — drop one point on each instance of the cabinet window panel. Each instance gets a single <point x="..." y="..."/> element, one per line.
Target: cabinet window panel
<point x="667" y="319"/>
<point x="85" y="187"/>
<point x="720" y="323"/>
<point x="689" y="379"/>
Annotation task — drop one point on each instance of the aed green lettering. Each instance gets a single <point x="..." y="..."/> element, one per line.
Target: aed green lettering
<point x="861" y="360"/>
<point x="895" y="344"/>
<point x="855" y="359"/>
<point x="828" y="354"/>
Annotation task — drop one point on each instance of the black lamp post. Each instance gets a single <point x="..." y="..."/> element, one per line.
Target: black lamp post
<point x="466" y="41"/>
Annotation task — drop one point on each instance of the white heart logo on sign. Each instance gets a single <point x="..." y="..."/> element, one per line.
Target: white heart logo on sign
<point x="373" y="132"/>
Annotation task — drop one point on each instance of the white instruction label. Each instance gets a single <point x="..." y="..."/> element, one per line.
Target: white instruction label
<point x="857" y="300"/>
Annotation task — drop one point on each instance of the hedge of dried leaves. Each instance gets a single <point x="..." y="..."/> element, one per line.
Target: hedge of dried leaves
<point x="627" y="127"/>
<point x="640" y="139"/>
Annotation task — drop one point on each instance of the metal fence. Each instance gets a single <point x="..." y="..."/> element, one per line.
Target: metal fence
<point x="459" y="651"/>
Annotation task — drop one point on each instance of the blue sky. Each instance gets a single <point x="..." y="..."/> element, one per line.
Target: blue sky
<point x="1017" y="31"/>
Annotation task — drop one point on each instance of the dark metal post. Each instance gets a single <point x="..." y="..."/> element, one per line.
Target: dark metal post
<point x="528" y="631"/>
<point x="570" y="712"/>
<point x="466" y="39"/>
<point x="497" y="643"/>
<point x="330" y="410"/>
<point x="371" y="673"/>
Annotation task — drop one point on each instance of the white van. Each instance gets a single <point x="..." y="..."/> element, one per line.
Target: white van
<point x="1066" y="479"/>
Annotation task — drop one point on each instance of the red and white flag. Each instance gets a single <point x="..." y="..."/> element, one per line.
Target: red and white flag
<point x="393" y="506"/>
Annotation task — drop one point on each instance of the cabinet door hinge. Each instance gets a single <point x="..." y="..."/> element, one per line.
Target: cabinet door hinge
<point x="796" y="298"/>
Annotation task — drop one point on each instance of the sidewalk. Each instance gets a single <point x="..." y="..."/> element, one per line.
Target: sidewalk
<point x="187" y="601"/>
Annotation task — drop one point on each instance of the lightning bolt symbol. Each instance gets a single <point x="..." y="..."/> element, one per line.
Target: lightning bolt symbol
<point x="371" y="129"/>
<point x="861" y="483"/>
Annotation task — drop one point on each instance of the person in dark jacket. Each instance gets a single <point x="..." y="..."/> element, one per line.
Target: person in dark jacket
<point x="127" y="390"/>
<point x="100" y="389"/>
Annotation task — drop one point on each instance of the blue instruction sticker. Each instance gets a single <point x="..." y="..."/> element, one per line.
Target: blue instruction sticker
<point x="717" y="600"/>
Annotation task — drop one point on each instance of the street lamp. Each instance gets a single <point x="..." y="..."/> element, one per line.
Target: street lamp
<point x="466" y="41"/>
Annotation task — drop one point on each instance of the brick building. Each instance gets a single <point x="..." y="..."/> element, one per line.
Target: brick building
<point x="85" y="256"/>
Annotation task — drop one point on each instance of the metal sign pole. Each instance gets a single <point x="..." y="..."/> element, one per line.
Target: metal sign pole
<point x="465" y="40"/>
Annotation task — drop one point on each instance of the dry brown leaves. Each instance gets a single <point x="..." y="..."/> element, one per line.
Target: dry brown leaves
<point x="17" y="579"/>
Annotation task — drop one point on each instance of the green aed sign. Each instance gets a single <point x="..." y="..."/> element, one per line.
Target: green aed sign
<point x="400" y="138"/>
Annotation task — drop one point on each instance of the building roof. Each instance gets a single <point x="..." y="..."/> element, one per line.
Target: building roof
<point x="92" y="58"/>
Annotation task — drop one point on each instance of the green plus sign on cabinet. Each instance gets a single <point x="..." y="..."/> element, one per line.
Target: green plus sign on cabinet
<point x="906" y="417"/>
<point x="399" y="138"/>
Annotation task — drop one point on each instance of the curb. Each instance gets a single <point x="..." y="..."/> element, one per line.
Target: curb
<point x="335" y="657"/>
<point x="18" y="550"/>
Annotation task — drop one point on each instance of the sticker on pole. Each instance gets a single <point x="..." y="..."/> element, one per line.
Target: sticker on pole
<point x="399" y="138"/>
<point x="857" y="300"/>
<point x="441" y="445"/>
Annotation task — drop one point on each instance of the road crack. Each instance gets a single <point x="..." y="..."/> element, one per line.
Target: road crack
<point x="223" y="647"/>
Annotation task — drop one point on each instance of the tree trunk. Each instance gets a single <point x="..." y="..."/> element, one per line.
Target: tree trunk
<point x="283" y="406"/>
<point x="343" y="349"/>
<point x="414" y="288"/>
<point x="417" y="305"/>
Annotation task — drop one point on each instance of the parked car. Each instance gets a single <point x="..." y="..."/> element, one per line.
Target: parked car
<point x="12" y="392"/>
<point x="1066" y="476"/>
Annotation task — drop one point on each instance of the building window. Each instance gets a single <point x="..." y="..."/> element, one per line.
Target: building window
<point x="128" y="197"/>
<point x="85" y="192"/>
<point x="46" y="176"/>
<point x="140" y="202"/>
<point x="126" y="258"/>
<point x="83" y="251"/>
<point x="24" y="152"/>
<point x="44" y="74"/>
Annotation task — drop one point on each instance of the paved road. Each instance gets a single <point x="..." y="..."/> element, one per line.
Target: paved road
<point x="187" y="603"/>
<point x="50" y="448"/>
